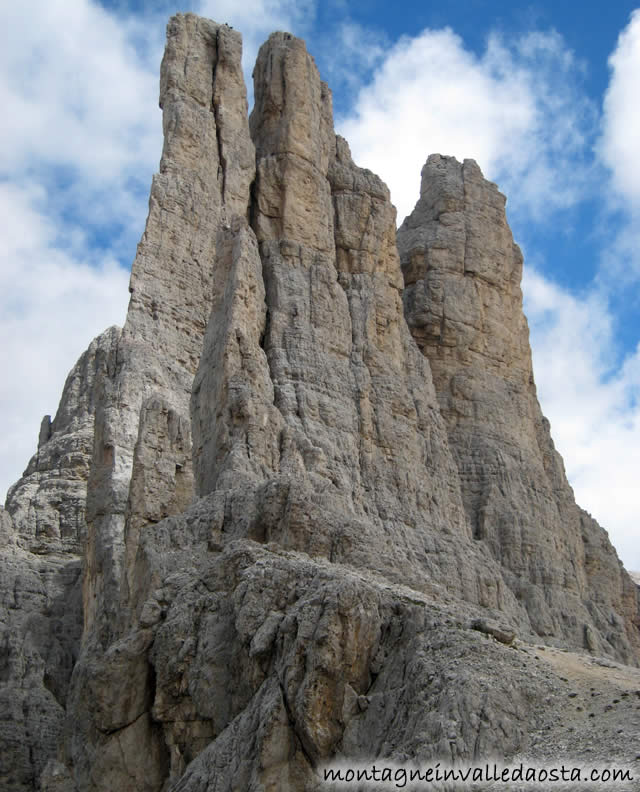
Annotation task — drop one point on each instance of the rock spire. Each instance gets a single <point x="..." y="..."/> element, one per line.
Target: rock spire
<point x="463" y="304"/>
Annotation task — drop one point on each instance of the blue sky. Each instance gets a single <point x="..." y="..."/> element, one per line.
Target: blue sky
<point x="543" y="95"/>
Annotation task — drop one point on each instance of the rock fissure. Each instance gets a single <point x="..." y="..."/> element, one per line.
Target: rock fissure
<point x="115" y="730"/>
<point x="300" y="738"/>
<point x="222" y="167"/>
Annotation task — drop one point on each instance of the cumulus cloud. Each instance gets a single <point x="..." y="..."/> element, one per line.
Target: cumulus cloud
<point x="592" y="403"/>
<point x="79" y="91"/>
<point x="79" y="141"/>
<point x="518" y="110"/>
<point x="618" y="150"/>
<point x="51" y="305"/>
<point x="621" y="121"/>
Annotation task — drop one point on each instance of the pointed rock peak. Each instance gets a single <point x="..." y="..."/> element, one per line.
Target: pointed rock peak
<point x="293" y="110"/>
<point x="207" y="168"/>
<point x="204" y="102"/>
<point x="47" y="504"/>
<point x="463" y="305"/>
<point x="466" y="213"/>
<point x="190" y="58"/>
<point x="292" y="129"/>
<point x="458" y="236"/>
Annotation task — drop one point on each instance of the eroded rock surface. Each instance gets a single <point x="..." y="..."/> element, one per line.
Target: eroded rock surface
<point x="314" y="528"/>
<point x="40" y="629"/>
<point x="206" y="169"/>
<point x="42" y="538"/>
<point x="47" y="505"/>
<point x="312" y="408"/>
<point x="463" y="304"/>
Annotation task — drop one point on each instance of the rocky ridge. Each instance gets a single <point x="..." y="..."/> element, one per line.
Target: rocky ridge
<point x="309" y="484"/>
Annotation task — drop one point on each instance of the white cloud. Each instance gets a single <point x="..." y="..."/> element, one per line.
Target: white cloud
<point x="76" y="93"/>
<point x="517" y="110"/>
<point x="51" y="305"/>
<point x="593" y="404"/>
<point x="618" y="150"/>
<point x="80" y="138"/>
<point x="621" y="122"/>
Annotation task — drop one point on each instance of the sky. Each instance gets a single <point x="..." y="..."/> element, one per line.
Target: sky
<point x="543" y="95"/>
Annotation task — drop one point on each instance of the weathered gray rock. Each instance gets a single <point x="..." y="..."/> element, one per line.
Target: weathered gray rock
<point x="463" y="304"/>
<point x="495" y="630"/>
<point x="161" y="478"/>
<point x="42" y="537"/>
<point x="206" y="169"/>
<point x="324" y="343"/>
<point x="141" y="469"/>
<point x="292" y="645"/>
<point x="47" y="504"/>
<point x="301" y="545"/>
<point x="40" y="628"/>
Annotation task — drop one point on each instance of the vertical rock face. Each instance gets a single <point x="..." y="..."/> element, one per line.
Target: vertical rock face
<point x="141" y="470"/>
<point x="310" y="385"/>
<point x="294" y="511"/>
<point x="206" y="169"/>
<point x="463" y="305"/>
<point x="40" y="628"/>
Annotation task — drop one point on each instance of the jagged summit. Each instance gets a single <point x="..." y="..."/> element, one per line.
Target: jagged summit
<point x="308" y="477"/>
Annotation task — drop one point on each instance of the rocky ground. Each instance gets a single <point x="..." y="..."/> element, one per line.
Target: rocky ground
<point x="588" y="716"/>
<point x="593" y="707"/>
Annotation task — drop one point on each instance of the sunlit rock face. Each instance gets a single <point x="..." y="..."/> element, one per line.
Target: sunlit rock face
<point x="299" y="506"/>
<point x="463" y="304"/>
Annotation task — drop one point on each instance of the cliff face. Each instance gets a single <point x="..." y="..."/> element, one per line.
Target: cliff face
<point x="309" y="463"/>
<point x="206" y="169"/>
<point x="42" y="535"/>
<point x="463" y="304"/>
<point x="312" y="409"/>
